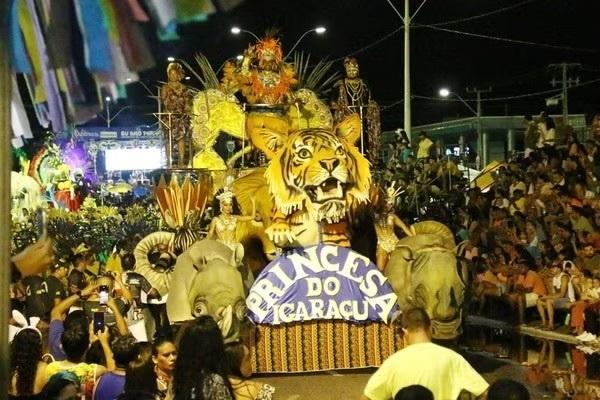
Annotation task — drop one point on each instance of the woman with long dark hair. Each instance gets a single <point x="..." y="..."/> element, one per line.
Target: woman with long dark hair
<point x="27" y="370"/>
<point x="240" y="370"/>
<point x="140" y="378"/>
<point x="201" y="368"/>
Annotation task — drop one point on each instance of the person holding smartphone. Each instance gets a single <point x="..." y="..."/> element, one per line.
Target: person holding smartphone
<point x="113" y="307"/>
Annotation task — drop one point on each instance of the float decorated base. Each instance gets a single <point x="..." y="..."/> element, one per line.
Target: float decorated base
<point x="320" y="308"/>
<point x="321" y="345"/>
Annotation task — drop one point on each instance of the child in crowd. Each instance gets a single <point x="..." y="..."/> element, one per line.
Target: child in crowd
<point x="563" y="293"/>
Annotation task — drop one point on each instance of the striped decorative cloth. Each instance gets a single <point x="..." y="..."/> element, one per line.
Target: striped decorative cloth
<point x="321" y="345"/>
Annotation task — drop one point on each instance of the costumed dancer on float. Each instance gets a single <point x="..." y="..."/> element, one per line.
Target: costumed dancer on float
<point x="352" y="95"/>
<point x="177" y="101"/>
<point x="265" y="81"/>
<point x="386" y="221"/>
<point x="223" y="227"/>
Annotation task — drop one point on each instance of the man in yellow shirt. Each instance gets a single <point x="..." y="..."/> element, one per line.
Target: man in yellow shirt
<point x="517" y="202"/>
<point x="423" y="146"/>
<point x="441" y="370"/>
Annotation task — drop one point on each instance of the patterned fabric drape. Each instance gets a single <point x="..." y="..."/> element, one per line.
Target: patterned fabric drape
<point x="321" y="345"/>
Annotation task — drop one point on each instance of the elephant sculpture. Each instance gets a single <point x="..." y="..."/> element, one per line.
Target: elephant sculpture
<point x="423" y="272"/>
<point x="206" y="281"/>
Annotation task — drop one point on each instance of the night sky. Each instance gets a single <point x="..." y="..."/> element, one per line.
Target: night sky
<point x="438" y="58"/>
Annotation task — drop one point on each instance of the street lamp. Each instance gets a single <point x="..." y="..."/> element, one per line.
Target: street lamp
<point x="481" y="142"/>
<point x="319" y="30"/>
<point x="445" y="93"/>
<point x="236" y="30"/>
<point x="170" y="59"/>
<point x="109" y="118"/>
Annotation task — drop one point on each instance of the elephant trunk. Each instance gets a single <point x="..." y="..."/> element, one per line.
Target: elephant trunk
<point x="444" y="309"/>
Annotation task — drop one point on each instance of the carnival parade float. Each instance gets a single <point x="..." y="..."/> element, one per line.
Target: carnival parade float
<point x="285" y="240"/>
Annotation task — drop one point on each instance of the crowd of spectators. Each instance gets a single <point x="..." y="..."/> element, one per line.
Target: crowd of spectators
<point x="531" y="239"/>
<point x="67" y="355"/>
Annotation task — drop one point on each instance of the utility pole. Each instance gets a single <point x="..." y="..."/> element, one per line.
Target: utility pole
<point x="406" y="20"/>
<point x="566" y="83"/>
<point x="481" y="141"/>
<point x="407" y="97"/>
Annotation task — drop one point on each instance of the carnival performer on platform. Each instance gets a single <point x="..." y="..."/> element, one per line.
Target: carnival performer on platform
<point x="177" y="100"/>
<point x="223" y="226"/>
<point x="385" y="222"/>
<point x="352" y="95"/>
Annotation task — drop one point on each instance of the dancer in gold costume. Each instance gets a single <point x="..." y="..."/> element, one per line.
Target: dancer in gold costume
<point x="223" y="226"/>
<point x="385" y="223"/>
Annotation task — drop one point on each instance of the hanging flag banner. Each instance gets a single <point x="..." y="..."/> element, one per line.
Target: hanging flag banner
<point x="321" y="282"/>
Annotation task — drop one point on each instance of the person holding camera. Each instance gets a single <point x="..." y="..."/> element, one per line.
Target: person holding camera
<point x="112" y="300"/>
<point x="62" y="320"/>
<point x="75" y="341"/>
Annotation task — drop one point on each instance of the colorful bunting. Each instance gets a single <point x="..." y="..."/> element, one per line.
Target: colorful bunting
<point x="115" y="51"/>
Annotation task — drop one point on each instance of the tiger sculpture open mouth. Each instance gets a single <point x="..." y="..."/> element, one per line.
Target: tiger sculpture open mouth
<point x="330" y="189"/>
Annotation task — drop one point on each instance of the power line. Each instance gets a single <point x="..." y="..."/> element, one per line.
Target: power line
<point x="437" y="26"/>
<point x="372" y="44"/>
<point x="590" y="82"/>
<point x="520" y="96"/>
<point x="487" y="14"/>
<point x="510" y="81"/>
<point x="398" y="13"/>
<point x="395" y="103"/>
<point x="589" y="68"/>
<point x="507" y="40"/>
<point x="490" y="99"/>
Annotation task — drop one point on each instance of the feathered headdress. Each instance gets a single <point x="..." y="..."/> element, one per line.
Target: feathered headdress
<point x="226" y="196"/>
<point x="175" y="66"/>
<point x="269" y="45"/>
<point x="392" y="192"/>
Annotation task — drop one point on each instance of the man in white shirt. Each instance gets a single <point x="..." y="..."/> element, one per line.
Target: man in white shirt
<point x="441" y="370"/>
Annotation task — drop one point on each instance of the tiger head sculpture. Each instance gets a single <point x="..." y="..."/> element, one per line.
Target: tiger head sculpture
<point x="314" y="176"/>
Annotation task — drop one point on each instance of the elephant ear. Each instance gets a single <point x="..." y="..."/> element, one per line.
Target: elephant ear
<point x="436" y="228"/>
<point x="405" y="252"/>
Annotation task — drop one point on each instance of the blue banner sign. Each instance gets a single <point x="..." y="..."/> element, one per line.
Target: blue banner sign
<point x="321" y="282"/>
